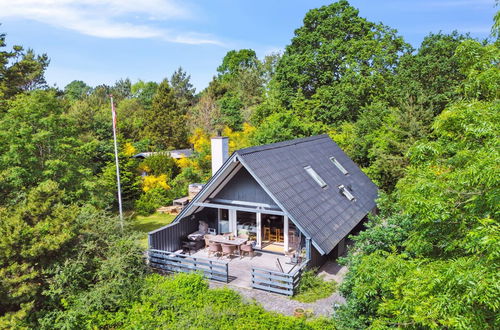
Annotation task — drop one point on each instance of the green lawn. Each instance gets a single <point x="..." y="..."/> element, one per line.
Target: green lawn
<point x="146" y="224"/>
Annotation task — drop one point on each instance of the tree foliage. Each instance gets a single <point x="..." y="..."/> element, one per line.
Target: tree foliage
<point x="77" y="90"/>
<point x="39" y="143"/>
<point x="20" y="70"/>
<point x="33" y="237"/>
<point x="284" y="126"/>
<point x="52" y="251"/>
<point x="436" y="249"/>
<point x="238" y="60"/>
<point x="165" y="121"/>
<point x="339" y="59"/>
<point x="432" y="75"/>
<point x="183" y="89"/>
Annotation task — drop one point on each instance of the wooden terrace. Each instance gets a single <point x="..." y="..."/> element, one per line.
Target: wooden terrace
<point x="264" y="271"/>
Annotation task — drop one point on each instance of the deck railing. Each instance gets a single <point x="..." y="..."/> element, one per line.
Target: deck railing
<point x="277" y="282"/>
<point x="176" y="262"/>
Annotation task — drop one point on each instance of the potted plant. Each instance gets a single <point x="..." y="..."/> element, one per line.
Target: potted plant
<point x="299" y="312"/>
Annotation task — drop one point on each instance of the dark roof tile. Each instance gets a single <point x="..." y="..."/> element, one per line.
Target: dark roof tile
<point x="325" y="215"/>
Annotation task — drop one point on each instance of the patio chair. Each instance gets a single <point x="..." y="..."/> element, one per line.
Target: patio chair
<point x="228" y="250"/>
<point x="244" y="236"/>
<point x="207" y="239"/>
<point x="214" y="248"/>
<point x="188" y="246"/>
<point x="248" y="249"/>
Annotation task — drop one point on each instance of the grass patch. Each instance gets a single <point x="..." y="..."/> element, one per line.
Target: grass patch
<point x="313" y="287"/>
<point x="145" y="224"/>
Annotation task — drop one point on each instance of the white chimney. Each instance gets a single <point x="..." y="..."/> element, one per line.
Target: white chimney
<point x="220" y="152"/>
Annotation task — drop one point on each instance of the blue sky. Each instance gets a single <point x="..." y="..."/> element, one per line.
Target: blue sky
<point x="101" y="41"/>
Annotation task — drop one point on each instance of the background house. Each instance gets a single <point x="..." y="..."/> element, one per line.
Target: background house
<point x="176" y="154"/>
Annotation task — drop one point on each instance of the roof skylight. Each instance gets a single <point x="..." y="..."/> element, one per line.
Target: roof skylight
<point x="339" y="166"/>
<point x="315" y="176"/>
<point x="346" y="192"/>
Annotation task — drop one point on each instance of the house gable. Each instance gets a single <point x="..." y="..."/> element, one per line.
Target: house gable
<point x="243" y="187"/>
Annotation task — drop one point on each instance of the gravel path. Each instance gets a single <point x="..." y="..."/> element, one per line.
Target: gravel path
<point x="284" y="305"/>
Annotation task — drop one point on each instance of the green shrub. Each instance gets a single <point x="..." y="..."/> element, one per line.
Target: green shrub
<point x="151" y="200"/>
<point x="159" y="164"/>
<point x="313" y="287"/>
<point x="183" y="301"/>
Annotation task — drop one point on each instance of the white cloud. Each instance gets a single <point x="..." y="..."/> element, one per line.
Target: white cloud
<point x="108" y="18"/>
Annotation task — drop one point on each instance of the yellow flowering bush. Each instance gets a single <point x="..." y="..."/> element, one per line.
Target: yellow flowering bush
<point x="129" y="149"/>
<point x="200" y="140"/>
<point x="239" y="139"/>
<point x="184" y="162"/>
<point x="151" y="181"/>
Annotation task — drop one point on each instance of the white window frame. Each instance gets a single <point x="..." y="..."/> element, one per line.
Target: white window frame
<point x="339" y="166"/>
<point x="312" y="173"/>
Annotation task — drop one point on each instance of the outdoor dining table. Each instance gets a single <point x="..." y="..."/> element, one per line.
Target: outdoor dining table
<point x="235" y="241"/>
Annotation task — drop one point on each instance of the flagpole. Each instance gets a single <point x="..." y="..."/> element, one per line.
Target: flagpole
<point x="113" y="113"/>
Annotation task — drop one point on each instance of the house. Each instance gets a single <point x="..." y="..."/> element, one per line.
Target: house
<point x="295" y="198"/>
<point x="176" y="154"/>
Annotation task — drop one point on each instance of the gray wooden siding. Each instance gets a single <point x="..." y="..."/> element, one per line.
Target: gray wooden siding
<point x="169" y="238"/>
<point x="318" y="260"/>
<point x="180" y="263"/>
<point x="243" y="187"/>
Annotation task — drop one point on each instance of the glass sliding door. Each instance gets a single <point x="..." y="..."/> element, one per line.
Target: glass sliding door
<point x="273" y="233"/>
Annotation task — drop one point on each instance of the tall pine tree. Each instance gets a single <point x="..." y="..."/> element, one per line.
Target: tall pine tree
<point x="183" y="89"/>
<point x="166" y="120"/>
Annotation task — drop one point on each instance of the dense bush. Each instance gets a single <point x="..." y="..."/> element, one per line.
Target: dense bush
<point x="152" y="200"/>
<point x="184" y="301"/>
<point x="431" y="258"/>
<point x="313" y="287"/>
